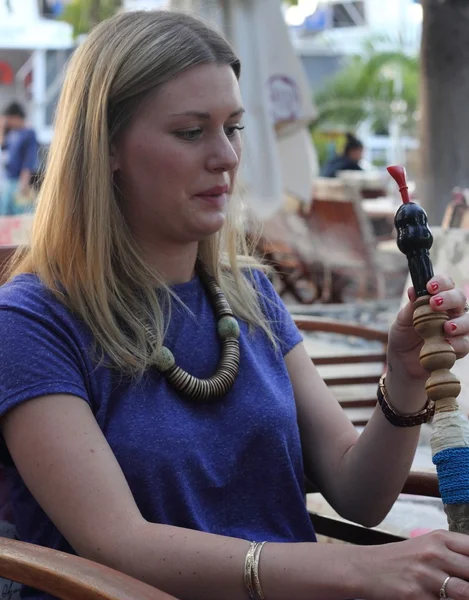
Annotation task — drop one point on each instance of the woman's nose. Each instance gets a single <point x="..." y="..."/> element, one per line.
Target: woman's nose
<point x="223" y="155"/>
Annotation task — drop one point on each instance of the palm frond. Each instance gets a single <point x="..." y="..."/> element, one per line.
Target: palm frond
<point x="366" y="88"/>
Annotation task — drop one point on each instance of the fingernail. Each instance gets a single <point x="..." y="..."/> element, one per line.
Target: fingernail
<point x="453" y="326"/>
<point x="438" y="300"/>
<point x="434" y="287"/>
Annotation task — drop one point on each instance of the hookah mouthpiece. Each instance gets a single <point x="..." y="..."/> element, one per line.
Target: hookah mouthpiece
<point x="414" y="237"/>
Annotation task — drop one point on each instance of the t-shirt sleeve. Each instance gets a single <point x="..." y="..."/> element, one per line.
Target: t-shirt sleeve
<point x="281" y="321"/>
<point x="38" y="357"/>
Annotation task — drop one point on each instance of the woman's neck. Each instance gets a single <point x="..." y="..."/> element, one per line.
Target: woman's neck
<point x="175" y="263"/>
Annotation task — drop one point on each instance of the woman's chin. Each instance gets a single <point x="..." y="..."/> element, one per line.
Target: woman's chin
<point x="211" y="225"/>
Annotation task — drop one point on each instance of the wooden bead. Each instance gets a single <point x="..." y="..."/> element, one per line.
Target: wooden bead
<point x="228" y="328"/>
<point x="204" y="390"/>
<point x="165" y="360"/>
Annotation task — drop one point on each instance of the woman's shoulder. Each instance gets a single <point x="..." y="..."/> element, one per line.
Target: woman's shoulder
<point x="27" y="293"/>
<point x="270" y="301"/>
<point x="258" y="277"/>
<point x="264" y="287"/>
<point x="275" y="310"/>
<point x="24" y="287"/>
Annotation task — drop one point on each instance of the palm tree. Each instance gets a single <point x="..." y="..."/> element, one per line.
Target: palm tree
<point x="377" y="85"/>
<point x="83" y="15"/>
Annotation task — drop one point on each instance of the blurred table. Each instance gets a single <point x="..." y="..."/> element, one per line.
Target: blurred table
<point x="381" y="213"/>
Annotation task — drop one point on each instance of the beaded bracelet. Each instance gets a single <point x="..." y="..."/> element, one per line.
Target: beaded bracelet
<point x="398" y="420"/>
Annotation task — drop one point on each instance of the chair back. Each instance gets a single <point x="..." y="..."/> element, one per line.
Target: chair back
<point x="353" y="371"/>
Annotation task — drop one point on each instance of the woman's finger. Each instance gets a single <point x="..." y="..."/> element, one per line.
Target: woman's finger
<point x="456" y="589"/>
<point x="440" y="283"/>
<point x="453" y="299"/>
<point x="457" y="324"/>
<point x="461" y="348"/>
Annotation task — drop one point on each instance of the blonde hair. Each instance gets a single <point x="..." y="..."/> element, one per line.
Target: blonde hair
<point x="81" y="246"/>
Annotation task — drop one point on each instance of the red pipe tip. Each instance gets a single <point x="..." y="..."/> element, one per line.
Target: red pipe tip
<point x="399" y="175"/>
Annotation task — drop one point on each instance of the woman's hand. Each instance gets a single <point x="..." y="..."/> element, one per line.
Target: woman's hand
<point x="417" y="568"/>
<point x="404" y="341"/>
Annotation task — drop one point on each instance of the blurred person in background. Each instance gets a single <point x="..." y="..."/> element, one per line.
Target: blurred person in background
<point x="349" y="160"/>
<point x="20" y="155"/>
<point x="51" y="8"/>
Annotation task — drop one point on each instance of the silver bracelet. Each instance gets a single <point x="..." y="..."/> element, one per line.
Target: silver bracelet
<point x="248" y="570"/>
<point x="255" y="571"/>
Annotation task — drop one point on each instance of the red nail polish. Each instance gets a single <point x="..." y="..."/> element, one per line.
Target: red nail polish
<point x="439" y="301"/>
<point x="453" y="326"/>
<point x="434" y="287"/>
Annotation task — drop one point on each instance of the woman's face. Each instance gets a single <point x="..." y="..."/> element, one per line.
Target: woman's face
<point x="177" y="160"/>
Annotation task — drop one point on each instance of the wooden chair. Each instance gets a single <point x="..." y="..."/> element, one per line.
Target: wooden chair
<point x="300" y="273"/>
<point x="295" y="277"/>
<point x="69" y="577"/>
<point x="286" y="246"/>
<point x="344" y="236"/>
<point x="355" y="386"/>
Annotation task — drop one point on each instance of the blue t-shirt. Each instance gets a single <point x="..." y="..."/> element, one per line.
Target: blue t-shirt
<point x="22" y="152"/>
<point x="233" y="467"/>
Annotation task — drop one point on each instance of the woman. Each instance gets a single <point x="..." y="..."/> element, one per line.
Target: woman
<point x="349" y="160"/>
<point x="130" y="461"/>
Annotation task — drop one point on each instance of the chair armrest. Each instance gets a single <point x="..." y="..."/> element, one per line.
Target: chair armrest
<point x="333" y="526"/>
<point x="418" y="483"/>
<point x="307" y="323"/>
<point x="421" y="483"/>
<point x="69" y="577"/>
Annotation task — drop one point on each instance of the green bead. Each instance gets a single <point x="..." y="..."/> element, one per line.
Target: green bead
<point x="165" y="360"/>
<point x="228" y="328"/>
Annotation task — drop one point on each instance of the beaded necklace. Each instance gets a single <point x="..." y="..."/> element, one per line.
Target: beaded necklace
<point x="205" y="390"/>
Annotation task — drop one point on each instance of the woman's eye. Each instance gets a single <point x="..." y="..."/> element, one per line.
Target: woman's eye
<point x="231" y="131"/>
<point x="189" y="134"/>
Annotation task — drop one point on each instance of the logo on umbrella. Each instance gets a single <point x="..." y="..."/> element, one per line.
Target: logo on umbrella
<point x="285" y="104"/>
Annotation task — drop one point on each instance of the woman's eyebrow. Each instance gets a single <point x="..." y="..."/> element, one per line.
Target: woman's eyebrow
<point x="205" y="115"/>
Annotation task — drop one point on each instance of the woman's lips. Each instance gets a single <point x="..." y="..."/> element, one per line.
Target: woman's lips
<point x="216" y="200"/>
<point x="216" y="196"/>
